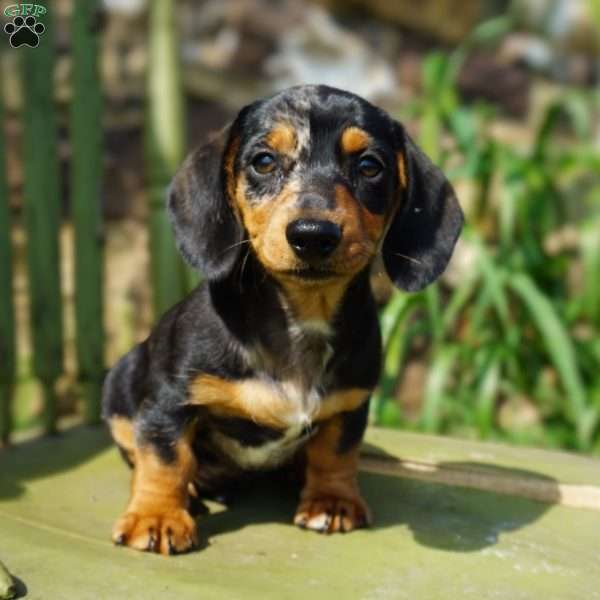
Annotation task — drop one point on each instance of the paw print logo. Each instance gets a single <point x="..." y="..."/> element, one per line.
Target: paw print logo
<point x="24" y="32"/>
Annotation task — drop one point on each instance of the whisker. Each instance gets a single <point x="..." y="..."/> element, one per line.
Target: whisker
<point x="235" y="245"/>
<point x="415" y="260"/>
<point x="246" y="256"/>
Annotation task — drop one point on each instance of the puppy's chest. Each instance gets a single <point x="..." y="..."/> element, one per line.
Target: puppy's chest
<point x="287" y="389"/>
<point x="253" y="446"/>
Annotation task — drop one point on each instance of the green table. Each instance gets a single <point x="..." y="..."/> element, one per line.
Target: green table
<point x="433" y="537"/>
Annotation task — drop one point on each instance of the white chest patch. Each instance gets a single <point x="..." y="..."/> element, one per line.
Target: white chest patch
<point x="286" y="390"/>
<point x="268" y="455"/>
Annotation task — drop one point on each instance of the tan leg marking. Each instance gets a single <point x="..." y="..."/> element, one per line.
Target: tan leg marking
<point x="330" y="500"/>
<point x="156" y="518"/>
<point x="121" y="429"/>
<point x="342" y="401"/>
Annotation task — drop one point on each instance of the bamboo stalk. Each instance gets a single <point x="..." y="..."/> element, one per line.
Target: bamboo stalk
<point x="7" y="313"/>
<point x="86" y="181"/>
<point x="164" y="151"/>
<point x="42" y="218"/>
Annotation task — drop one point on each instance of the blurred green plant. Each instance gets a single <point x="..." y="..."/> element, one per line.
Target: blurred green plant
<point x="522" y="324"/>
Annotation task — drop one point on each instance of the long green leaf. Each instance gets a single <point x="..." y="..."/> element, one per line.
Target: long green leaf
<point x="434" y="309"/>
<point x="558" y="345"/>
<point x="589" y="244"/>
<point x="459" y="298"/>
<point x="393" y="325"/>
<point x="440" y="371"/>
<point x="494" y="279"/>
<point x="392" y="316"/>
<point x="487" y="392"/>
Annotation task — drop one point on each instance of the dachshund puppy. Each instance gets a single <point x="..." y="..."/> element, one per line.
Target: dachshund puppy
<point x="272" y="358"/>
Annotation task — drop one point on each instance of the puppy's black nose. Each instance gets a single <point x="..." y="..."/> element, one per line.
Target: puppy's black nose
<point x="311" y="239"/>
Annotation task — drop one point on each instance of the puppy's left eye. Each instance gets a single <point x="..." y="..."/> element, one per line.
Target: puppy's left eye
<point x="369" y="166"/>
<point x="264" y="163"/>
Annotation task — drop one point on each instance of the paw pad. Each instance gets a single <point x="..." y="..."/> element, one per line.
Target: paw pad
<point x="24" y="32"/>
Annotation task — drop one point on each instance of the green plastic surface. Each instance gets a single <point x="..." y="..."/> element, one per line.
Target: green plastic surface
<point x="59" y="497"/>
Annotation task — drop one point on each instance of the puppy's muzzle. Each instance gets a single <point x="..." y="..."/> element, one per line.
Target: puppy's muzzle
<point x="313" y="240"/>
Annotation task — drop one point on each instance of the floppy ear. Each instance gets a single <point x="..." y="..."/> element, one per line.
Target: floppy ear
<point x="421" y="237"/>
<point x="207" y="233"/>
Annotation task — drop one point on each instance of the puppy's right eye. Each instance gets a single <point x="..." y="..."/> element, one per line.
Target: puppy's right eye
<point x="264" y="163"/>
<point x="369" y="166"/>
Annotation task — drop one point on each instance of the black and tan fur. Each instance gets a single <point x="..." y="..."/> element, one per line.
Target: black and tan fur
<point x="273" y="357"/>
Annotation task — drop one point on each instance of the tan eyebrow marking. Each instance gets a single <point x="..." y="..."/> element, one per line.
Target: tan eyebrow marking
<point x="402" y="170"/>
<point x="282" y="138"/>
<point x="354" y="140"/>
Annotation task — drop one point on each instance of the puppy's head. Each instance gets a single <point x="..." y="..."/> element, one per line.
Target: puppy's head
<point x="316" y="181"/>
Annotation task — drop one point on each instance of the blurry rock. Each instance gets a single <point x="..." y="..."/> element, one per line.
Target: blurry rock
<point x="568" y="24"/>
<point x="410" y="69"/>
<point x="528" y="49"/>
<point x="512" y="132"/>
<point x="442" y="19"/>
<point x="536" y="53"/>
<point x="203" y="118"/>
<point x="126" y="7"/>
<point x="462" y="264"/>
<point x="127" y="289"/>
<point x="237" y="35"/>
<point x="124" y="185"/>
<point x="584" y="332"/>
<point x="484" y="77"/>
<point x="411" y="390"/>
<point x="320" y="51"/>
<point x="561" y="240"/>
<point x="218" y="52"/>
<point x="563" y="39"/>
<point x="123" y="57"/>
<point x="518" y="413"/>
<point x="225" y="46"/>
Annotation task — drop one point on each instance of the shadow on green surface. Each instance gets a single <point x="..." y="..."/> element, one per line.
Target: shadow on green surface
<point x="23" y="462"/>
<point x="449" y="517"/>
<point x="20" y="588"/>
<point x="445" y="517"/>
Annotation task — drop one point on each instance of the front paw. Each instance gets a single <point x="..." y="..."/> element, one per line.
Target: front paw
<point x="169" y="532"/>
<point x="330" y="514"/>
